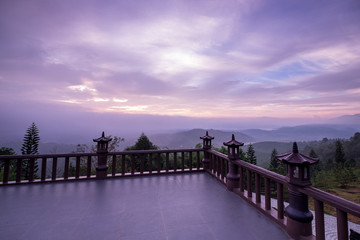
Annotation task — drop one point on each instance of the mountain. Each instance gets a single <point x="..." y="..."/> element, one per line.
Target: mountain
<point x="188" y="139"/>
<point x="302" y="133"/>
<point x="263" y="150"/>
<point x="349" y="120"/>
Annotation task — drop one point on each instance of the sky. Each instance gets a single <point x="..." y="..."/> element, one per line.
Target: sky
<point x="80" y="65"/>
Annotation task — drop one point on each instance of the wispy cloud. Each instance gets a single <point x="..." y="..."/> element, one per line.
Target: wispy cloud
<point x="184" y="58"/>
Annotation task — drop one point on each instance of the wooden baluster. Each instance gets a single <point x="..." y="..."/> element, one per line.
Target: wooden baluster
<point x="77" y="170"/>
<point x="159" y="163"/>
<point x="123" y="165"/>
<point x="54" y="168"/>
<point x="267" y="194"/>
<point x="190" y="161"/>
<point x="132" y="164"/>
<point x="88" y="167"/>
<point x="258" y="188"/>
<point x="214" y="164"/>
<point x="319" y="220"/>
<point x="167" y="162"/>
<point x="221" y="168"/>
<point x="31" y="169"/>
<point x="249" y="190"/>
<point x="241" y="171"/>
<point x="6" y="171"/>
<point x="142" y="160"/>
<point x="342" y="224"/>
<point x="198" y="160"/>
<point x="18" y="170"/>
<point x="182" y="161"/>
<point x="175" y="161"/>
<point x="43" y="169"/>
<point x="280" y="200"/>
<point x="150" y="162"/>
<point x="66" y="168"/>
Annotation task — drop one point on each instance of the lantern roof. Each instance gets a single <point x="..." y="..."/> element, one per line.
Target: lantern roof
<point x="233" y="142"/>
<point x="207" y="137"/>
<point x="295" y="157"/>
<point x="102" y="138"/>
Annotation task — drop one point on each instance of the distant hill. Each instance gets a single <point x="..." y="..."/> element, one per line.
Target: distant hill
<point x="44" y="148"/>
<point x="188" y="139"/>
<point x="349" y="120"/>
<point x="302" y="133"/>
<point x="263" y="150"/>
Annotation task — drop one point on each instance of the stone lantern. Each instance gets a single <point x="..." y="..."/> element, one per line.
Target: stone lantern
<point x="233" y="148"/>
<point x="297" y="166"/>
<point x="102" y="151"/>
<point x="206" y="146"/>
<point x="207" y="141"/>
<point x="298" y="176"/>
<point x="102" y="143"/>
<point x="233" y="176"/>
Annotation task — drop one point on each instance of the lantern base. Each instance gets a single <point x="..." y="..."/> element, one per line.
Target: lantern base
<point x="232" y="181"/>
<point x="101" y="172"/>
<point x="298" y="230"/>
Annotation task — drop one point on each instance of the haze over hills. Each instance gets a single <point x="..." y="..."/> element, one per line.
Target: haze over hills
<point x="188" y="139"/>
<point x="341" y="127"/>
<point x="302" y="133"/>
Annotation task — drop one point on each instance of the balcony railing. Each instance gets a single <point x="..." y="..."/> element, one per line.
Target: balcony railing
<point x="252" y="183"/>
<point x="75" y="166"/>
<point x="255" y="175"/>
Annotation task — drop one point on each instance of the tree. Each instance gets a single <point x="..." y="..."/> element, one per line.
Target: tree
<point x="274" y="163"/>
<point x="339" y="154"/>
<point x="143" y="143"/>
<point x="7" y="151"/>
<point x="317" y="167"/>
<point x="30" y="147"/>
<point x="250" y="154"/>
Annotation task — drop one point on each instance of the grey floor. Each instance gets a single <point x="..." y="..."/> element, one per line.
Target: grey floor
<point x="182" y="206"/>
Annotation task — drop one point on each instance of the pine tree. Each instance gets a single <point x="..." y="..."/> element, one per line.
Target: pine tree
<point x="339" y="154"/>
<point x="143" y="143"/>
<point x="251" y="155"/>
<point x="30" y="147"/>
<point x="274" y="163"/>
<point x="6" y="151"/>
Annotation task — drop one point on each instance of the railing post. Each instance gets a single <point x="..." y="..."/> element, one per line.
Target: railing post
<point x="233" y="176"/>
<point x="102" y="154"/>
<point x="298" y="176"/>
<point x="206" y="146"/>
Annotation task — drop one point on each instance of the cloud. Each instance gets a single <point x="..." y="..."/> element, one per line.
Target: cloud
<point x="184" y="58"/>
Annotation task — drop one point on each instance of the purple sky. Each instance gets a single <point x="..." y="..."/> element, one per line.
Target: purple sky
<point x="78" y="61"/>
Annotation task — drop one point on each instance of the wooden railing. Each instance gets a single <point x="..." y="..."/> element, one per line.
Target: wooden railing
<point x="343" y="208"/>
<point x="75" y="166"/>
<point x="264" y="181"/>
<point x="262" y="185"/>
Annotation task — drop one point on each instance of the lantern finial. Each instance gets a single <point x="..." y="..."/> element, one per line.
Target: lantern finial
<point x="295" y="148"/>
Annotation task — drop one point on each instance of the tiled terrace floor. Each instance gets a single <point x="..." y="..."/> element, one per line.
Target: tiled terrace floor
<point x="182" y="206"/>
